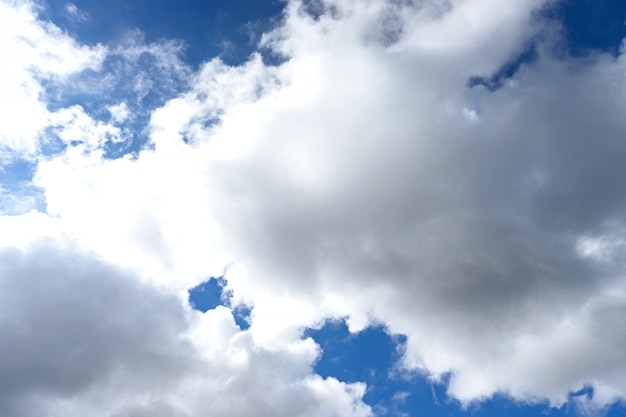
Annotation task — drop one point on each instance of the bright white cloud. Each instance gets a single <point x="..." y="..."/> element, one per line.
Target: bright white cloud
<point x="32" y="51"/>
<point x="361" y="178"/>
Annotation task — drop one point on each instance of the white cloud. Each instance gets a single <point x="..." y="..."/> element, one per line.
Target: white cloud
<point x="82" y="336"/>
<point x="73" y="126"/>
<point x="356" y="177"/>
<point x="33" y="51"/>
<point x="347" y="181"/>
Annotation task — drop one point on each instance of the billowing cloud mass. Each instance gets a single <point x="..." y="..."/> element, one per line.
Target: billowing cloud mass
<point x="81" y="336"/>
<point x="363" y="176"/>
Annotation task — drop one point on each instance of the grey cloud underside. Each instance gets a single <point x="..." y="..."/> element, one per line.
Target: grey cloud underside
<point x="81" y="336"/>
<point x="464" y="235"/>
<point x="71" y="322"/>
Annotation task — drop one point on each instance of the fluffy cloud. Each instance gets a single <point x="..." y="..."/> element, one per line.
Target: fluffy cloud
<point x="90" y="328"/>
<point x="33" y="51"/>
<point x="58" y="93"/>
<point x="365" y="178"/>
<point x="82" y="336"/>
<point x="369" y="180"/>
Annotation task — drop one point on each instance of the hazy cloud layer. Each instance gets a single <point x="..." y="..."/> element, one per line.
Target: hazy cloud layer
<point x="361" y="178"/>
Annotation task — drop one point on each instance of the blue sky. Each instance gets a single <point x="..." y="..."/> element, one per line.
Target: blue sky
<point x="413" y="208"/>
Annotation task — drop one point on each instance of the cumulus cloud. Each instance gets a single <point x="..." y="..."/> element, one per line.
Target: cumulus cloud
<point x="83" y="336"/>
<point x="56" y="93"/>
<point x="356" y="184"/>
<point x="363" y="177"/>
<point x="33" y="51"/>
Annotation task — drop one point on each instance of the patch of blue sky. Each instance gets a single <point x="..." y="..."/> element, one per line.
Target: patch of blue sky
<point x="17" y="192"/>
<point x="241" y="313"/>
<point x="207" y="295"/>
<point x="211" y="294"/>
<point x="17" y="171"/>
<point x="508" y="70"/>
<point x="589" y="26"/>
<point x="373" y="356"/>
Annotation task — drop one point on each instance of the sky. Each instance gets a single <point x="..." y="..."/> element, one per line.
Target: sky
<point x="312" y="208"/>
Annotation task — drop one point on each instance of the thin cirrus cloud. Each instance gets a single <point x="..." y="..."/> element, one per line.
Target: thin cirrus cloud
<point x="363" y="176"/>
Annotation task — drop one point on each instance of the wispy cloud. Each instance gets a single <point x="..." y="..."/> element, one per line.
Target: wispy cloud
<point x="74" y="13"/>
<point x="34" y="52"/>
